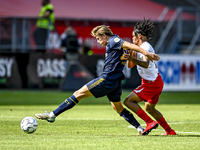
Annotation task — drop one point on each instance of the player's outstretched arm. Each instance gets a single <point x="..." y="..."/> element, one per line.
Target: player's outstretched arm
<point x="132" y="60"/>
<point x="142" y="63"/>
<point x="151" y="56"/>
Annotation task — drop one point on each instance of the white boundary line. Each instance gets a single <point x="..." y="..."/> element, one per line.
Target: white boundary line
<point x="63" y="118"/>
<point x="68" y="118"/>
<point x="175" y="123"/>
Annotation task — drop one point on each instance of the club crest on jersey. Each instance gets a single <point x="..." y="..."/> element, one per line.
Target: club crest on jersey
<point x="116" y="39"/>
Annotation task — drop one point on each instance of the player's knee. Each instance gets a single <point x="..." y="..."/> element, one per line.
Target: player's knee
<point x="82" y="93"/>
<point x="126" y="102"/>
<point x="77" y="94"/>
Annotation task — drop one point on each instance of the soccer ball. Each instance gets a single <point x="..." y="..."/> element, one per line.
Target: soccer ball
<point x="29" y="124"/>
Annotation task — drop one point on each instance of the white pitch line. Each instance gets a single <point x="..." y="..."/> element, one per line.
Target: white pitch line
<point x="62" y="118"/>
<point x="180" y="122"/>
<point x="175" y="123"/>
<point x="181" y="132"/>
<point x="188" y="132"/>
<point x="67" y="118"/>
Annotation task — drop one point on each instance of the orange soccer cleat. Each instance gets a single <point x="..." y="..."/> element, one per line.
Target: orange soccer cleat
<point x="150" y="126"/>
<point x="172" y="132"/>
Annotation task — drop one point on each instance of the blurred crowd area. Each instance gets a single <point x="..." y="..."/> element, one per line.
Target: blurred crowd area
<point x="40" y="49"/>
<point x="179" y="34"/>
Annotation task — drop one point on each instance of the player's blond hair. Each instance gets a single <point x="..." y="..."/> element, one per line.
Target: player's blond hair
<point x="101" y="30"/>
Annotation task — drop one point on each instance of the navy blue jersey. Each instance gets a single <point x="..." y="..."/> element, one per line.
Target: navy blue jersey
<point x="109" y="83"/>
<point x="113" y="65"/>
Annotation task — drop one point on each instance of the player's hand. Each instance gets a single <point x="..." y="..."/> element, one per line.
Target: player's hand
<point x="126" y="55"/>
<point x="152" y="56"/>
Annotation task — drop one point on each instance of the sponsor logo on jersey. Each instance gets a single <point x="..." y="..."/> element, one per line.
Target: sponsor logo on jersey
<point x="116" y="39"/>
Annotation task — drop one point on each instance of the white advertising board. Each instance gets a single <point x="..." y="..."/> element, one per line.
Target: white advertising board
<point x="180" y="72"/>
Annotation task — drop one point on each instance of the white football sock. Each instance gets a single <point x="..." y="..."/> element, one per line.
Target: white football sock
<point x="140" y="129"/>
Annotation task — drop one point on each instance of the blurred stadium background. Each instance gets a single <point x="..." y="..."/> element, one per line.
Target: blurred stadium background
<point x="177" y="41"/>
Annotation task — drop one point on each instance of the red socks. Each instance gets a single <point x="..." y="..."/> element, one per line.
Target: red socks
<point x="164" y="124"/>
<point x="141" y="113"/>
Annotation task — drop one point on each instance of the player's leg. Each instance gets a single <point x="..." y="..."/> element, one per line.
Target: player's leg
<point x="127" y="115"/>
<point x="73" y="100"/>
<point x="150" y="108"/>
<point x="155" y="88"/>
<point x="131" y="102"/>
<point x="115" y="99"/>
<point x="92" y="88"/>
<point x="67" y="104"/>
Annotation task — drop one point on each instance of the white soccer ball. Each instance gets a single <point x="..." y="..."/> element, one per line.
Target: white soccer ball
<point x="29" y="124"/>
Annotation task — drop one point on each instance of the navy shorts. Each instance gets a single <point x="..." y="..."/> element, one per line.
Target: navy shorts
<point x="100" y="87"/>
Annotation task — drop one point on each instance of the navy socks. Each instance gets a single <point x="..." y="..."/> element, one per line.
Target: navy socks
<point x="128" y="116"/>
<point x="67" y="104"/>
<point x="72" y="101"/>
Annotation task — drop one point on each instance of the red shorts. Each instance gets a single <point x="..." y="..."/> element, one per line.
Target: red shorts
<point x="150" y="90"/>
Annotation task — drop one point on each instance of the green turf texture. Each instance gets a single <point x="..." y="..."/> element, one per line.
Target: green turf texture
<point x="93" y="124"/>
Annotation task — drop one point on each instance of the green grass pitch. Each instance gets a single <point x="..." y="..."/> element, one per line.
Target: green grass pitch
<point x="94" y="125"/>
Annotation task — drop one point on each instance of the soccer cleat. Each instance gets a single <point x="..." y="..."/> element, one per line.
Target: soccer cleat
<point x="150" y="126"/>
<point x="172" y="132"/>
<point x="45" y="116"/>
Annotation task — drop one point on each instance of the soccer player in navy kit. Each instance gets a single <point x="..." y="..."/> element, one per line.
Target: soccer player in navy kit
<point x="152" y="83"/>
<point x="109" y="82"/>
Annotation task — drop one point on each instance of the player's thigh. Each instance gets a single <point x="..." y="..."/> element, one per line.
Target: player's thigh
<point x="82" y="93"/>
<point x="149" y="107"/>
<point x="132" y="97"/>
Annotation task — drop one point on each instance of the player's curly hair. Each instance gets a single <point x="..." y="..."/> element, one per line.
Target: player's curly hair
<point x="145" y="28"/>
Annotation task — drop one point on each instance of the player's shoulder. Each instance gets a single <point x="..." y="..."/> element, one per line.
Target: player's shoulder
<point x="147" y="46"/>
<point x="115" y="39"/>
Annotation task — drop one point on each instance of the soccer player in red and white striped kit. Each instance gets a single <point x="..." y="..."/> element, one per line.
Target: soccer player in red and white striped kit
<point x="152" y="83"/>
